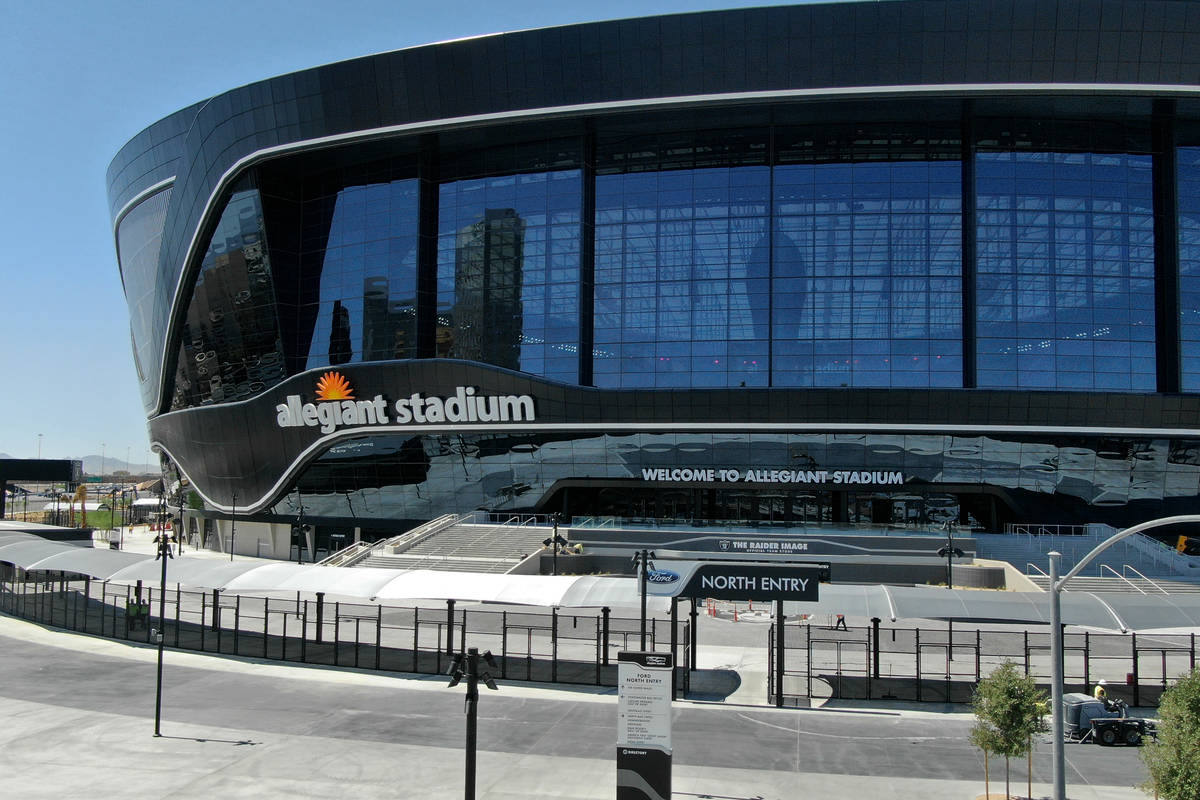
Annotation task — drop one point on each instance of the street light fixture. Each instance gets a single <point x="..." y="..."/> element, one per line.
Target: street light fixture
<point x="555" y="542"/>
<point x="642" y="560"/>
<point x="164" y="552"/>
<point x="468" y="665"/>
<point x="1056" y="643"/>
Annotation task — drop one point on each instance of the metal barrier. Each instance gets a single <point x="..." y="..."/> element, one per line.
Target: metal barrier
<point x="944" y="664"/>
<point x="554" y="647"/>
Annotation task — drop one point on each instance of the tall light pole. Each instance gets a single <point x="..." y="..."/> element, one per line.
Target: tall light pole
<point x="1056" y="649"/>
<point x="39" y="447"/>
<point x="467" y="665"/>
<point x="164" y="552"/>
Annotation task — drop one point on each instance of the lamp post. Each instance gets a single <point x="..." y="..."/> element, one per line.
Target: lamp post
<point x="554" y="542"/>
<point x="164" y="552"/>
<point x="39" y="447"/>
<point x="468" y="664"/>
<point x="642" y="559"/>
<point x="1056" y="648"/>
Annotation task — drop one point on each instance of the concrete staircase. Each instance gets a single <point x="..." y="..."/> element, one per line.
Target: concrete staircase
<point x="466" y="546"/>
<point x="1124" y="586"/>
<point x="1147" y="556"/>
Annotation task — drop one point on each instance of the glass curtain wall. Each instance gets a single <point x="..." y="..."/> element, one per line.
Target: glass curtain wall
<point x="868" y="275"/>
<point x="1065" y="271"/>
<point x="230" y="344"/>
<point x="508" y="272"/>
<point x="139" y="238"/>
<point x="364" y="239"/>
<point x="682" y="264"/>
<point x="1188" y="176"/>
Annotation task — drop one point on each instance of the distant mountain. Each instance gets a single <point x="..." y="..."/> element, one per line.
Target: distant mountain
<point x="98" y="465"/>
<point x="107" y="465"/>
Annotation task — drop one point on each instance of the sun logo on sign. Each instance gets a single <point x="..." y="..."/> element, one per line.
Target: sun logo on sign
<point x="333" y="386"/>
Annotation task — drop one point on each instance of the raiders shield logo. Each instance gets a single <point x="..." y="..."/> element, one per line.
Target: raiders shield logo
<point x="724" y="544"/>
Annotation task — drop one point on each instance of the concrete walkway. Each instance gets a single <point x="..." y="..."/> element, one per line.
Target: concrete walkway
<point x="78" y="715"/>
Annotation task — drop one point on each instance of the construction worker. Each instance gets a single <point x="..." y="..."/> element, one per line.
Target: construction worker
<point x="841" y="623"/>
<point x="1100" y="693"/>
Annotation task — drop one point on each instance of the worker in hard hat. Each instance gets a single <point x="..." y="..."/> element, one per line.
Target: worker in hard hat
<point x="1100" y="693"/>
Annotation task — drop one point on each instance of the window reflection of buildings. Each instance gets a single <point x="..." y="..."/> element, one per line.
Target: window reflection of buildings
<point x="230" y="341"/>
<point x="485" y="322"/>
<point x="388" y="325"/>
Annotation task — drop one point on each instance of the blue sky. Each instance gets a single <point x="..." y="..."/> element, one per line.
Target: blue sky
<point x="78" y="80"/>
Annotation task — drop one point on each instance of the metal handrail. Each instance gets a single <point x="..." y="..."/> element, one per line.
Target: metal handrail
<point x="1119" y="575"/>
<point x="346" y="554"/>
<point x="1039" y="570"/>
<point x="1143" y="577"/>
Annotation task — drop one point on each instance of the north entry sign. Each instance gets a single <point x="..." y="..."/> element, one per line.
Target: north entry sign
<point x="735" y="581"/>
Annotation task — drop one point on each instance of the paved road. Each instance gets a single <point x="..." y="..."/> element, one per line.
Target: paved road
<point x="78" y="715"/>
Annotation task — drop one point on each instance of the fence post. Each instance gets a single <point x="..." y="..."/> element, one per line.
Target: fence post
<point x="449" y="628"/>
<point x="237" y="621"/>
<point x="1087" y="659"/>
<point x="178" y="605"/>
<point x="320" y="614"/>
<point x="808" y="660"/>
<point x="304" y="634"/>
<point x="1192" y="651"/>
<point x="378" y="635"/>
<point x="1026" y="637"/>
<point x="503" y="644"/>
<point x="597" y="642"/>
<point x="554" y="644"/>
<point x="874" y="635"/>
<point x="694" y="614"/>
<point x="266" y="623"/>
<point x="337" y="632"/>
<point x="605" y="611"/>
<point x="416" y="636"/>
<point x="462" y="633"/>
<point x="917" y="645"/>
<point x="675" y="645"/>
<point x="1133" y="643"/>
<point x="978" y="649"/>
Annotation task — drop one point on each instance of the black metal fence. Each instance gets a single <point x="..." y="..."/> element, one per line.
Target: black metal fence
<point x="944" y="665"/>
<point x="554" y="647"/>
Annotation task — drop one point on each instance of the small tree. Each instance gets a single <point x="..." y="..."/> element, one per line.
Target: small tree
<point x="1174" y="760"/>
<point x="1009" y="709"/>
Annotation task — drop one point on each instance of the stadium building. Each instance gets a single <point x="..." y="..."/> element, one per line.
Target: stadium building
<point x="890" y="262"/>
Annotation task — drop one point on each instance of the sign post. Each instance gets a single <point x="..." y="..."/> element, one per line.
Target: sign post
<point x="644" y="725"/>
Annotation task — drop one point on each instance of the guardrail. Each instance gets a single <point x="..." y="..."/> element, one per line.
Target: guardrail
<point x="548" y="646"/>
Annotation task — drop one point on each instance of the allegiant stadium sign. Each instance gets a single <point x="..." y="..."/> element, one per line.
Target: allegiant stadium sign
<point x="336" y="406"/>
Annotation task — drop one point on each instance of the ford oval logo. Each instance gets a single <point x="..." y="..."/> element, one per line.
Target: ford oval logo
<point x="661" y="576"/>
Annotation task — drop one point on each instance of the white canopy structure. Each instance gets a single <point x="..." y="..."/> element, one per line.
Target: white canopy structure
<point x="1122" y="612"/>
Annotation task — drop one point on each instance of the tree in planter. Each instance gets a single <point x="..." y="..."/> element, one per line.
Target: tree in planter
<point x="1009" y="709"/>
<point x="1174" y="760"/>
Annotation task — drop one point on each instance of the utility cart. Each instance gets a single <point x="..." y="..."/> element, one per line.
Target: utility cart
<point x="1092" y="720"/>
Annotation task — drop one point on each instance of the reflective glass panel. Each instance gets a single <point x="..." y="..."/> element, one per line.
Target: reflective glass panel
<point x="1189" y="266"/>
<point x="868" y="275"/>
<point x="1066" y="271"/>
<point x="681" y="278"/>
<point x="363" y="239"/>
<point x="508" y="272"/>
<point x="139" y="237"/>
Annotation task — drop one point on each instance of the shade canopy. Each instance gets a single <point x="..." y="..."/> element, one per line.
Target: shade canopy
<point x="1101" y="611"/>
